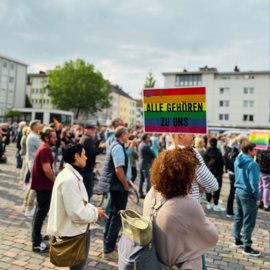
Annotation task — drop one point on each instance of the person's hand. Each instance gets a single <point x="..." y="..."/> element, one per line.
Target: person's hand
<point x="126" y="187"/>
<point x="101" y="213"/>
<point x="202" y="189"/>
<point x="135" y="142"/>
<point x="258" y="202"/>
<point x="103" y="145"/>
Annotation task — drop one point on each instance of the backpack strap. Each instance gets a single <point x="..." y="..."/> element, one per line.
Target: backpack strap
<point x="156" y="205"/>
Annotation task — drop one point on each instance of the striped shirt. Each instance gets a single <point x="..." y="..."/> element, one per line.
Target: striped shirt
<point x="203" y="177"/>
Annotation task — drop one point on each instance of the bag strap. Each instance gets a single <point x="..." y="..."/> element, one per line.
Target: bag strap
<point x="156" y="205"/>
<point x="84" y="202"/>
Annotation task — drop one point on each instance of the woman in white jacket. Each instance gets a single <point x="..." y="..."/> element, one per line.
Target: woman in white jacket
<point x="69" y="211"/>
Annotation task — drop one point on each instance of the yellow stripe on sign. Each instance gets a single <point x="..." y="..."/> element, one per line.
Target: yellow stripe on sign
<point x="175" y="99"/>
<point x="156" y="107"/>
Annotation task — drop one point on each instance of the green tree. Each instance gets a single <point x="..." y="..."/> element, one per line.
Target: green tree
<point x="11" y="113"/>
<point x="28" y="103"/>
<point x="77" y="86"/>
<point x="150" y="81"/>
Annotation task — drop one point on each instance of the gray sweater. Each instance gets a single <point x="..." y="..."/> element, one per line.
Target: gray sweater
<point x="32" y="144"/>
<point x="146" y="155"/>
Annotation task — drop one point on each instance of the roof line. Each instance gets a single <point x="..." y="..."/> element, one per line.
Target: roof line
<point x="13" y="60"/>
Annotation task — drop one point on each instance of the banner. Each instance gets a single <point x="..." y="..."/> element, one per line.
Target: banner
<point x="175" y="110"/>
<point x="260" y="138"/>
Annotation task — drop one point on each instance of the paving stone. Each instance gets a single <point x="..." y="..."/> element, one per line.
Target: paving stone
<point x="33" y="266"/>
<point x="48" y="265"/>
<point x="4" y="265"/>
<point x="19" y="263"/>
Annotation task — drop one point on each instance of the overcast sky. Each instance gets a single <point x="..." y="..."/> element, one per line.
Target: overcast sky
<point x="124" y="39"/>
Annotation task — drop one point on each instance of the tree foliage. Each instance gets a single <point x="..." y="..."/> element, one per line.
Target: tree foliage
<point x="28" y="103"/>
<point x="150" y="81"/>
<point x="11" y="113"/>
<point x="77" y="86"/>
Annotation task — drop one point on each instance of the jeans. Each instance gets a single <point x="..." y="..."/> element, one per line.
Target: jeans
<point x="107" y="209"/>
<point x="144" y="177"/>
<point x="133" y="174"/>
<point x="42" y="209"/>
<point x="265" y="188"/>
<point x="203" y="262"/>
<point x="27" y="177"/>
<point x="81" y="266"/>
<point x="216" y="194"/>
<point x="56" y="152"/>
<point x="245" y="217"/>
<point x="231" y="195"/>
<point x="113" y="226"/>
<point x="19" y="160"/>
<point x="88" y="182"/>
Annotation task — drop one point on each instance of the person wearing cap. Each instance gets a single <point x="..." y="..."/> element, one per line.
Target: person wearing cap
<point x="91" y="151"/>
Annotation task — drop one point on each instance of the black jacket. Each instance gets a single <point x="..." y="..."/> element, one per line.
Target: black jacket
<point x="263" y="160"/>
<point x="90" y="151"/>
<point x="214" y="161"/>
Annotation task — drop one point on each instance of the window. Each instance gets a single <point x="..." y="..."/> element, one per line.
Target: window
<point x="11" y="79"/>
<point x="3" y="92"/>
<point x="12" y="66"/>
<point x="224" y="91"/>
<point x="5" y="64"/>
<point x="249" y="91"/>
<point x="45" y="80"/>
<point x="37" y="80"/>
<point x="36" y="91"/>
<point x="48" y="101"/>
<point x="225" y="103"/>
<point x="44" y="91"/>
<point x="33" y="101"/>
<point x="224" y="117"/>
<point x="248" y="103"/>
<point x="248" y="118"/>
<point x="39" y="101"/>
<point x="10" y="93"/>
<point x="4" y="78"/>
<point x="36" y="100"/>
<point x="188" y="80"/>
<point x="33" y="91"/>
<point x="41" y="80"/>
<point x="40" y="91"/>
<point x="43" y="101"/>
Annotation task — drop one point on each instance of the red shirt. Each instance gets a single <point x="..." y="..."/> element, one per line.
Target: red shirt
<point x="39" y="179"/>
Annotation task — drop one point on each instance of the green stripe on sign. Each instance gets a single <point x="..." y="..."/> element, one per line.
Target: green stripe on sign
<point x="198" y="115"/>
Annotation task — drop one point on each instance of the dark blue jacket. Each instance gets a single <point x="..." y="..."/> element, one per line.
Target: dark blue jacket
<point x="108" y="179"/>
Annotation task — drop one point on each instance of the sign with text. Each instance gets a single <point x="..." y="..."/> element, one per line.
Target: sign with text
<point x="260" y="138"/>
<point x="175" y="110"/>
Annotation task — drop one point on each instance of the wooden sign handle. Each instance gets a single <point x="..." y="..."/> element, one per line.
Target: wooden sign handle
<point x="176" y="139"/>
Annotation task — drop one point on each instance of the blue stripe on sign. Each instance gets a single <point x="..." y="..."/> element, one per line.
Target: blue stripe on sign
<point x="158" y="121"/>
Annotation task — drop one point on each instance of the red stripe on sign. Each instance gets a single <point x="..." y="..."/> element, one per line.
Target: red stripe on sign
<point x="169" y="129"/>
<point x="176" y="91"/>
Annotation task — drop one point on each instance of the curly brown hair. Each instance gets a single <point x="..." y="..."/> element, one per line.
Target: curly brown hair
<point x="173" y="171"/>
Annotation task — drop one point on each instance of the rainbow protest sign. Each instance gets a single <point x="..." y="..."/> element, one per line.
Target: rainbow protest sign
<point x="260" y="138"/>
<point x="175" y="110"/>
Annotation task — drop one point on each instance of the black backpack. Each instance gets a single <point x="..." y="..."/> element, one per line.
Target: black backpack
<point x="230" y="156"/>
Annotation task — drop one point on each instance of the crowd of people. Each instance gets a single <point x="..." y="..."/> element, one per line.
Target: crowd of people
<point x="56" y="165"/>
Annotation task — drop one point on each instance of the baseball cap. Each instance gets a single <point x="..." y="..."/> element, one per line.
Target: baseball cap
<point x="88" y="126"/>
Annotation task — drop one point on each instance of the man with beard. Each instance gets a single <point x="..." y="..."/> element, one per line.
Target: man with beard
<point x="43" y="177"/>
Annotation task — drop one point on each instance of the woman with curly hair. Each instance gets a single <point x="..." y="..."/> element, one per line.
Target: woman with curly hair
<point x="182" y="233"/>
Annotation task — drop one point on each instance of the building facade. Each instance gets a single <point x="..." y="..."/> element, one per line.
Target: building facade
<point x="238" y="99"/>
<point x="38" y="93"/>
<point x="139" y="112"/>
<point x="12" y="84"/>
<point x="132" y="113"/>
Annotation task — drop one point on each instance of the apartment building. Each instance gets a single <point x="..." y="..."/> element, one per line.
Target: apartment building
<point x="37" y="91"/>
<point x="139" y="112"/>
<point x="234" y="99"/>
<point x="12" y="84"/>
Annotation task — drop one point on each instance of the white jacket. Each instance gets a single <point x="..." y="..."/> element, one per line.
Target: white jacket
<point x="68" y="215"/>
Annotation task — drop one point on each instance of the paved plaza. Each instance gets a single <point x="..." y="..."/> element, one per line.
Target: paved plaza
<point x="15" y="231"/>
